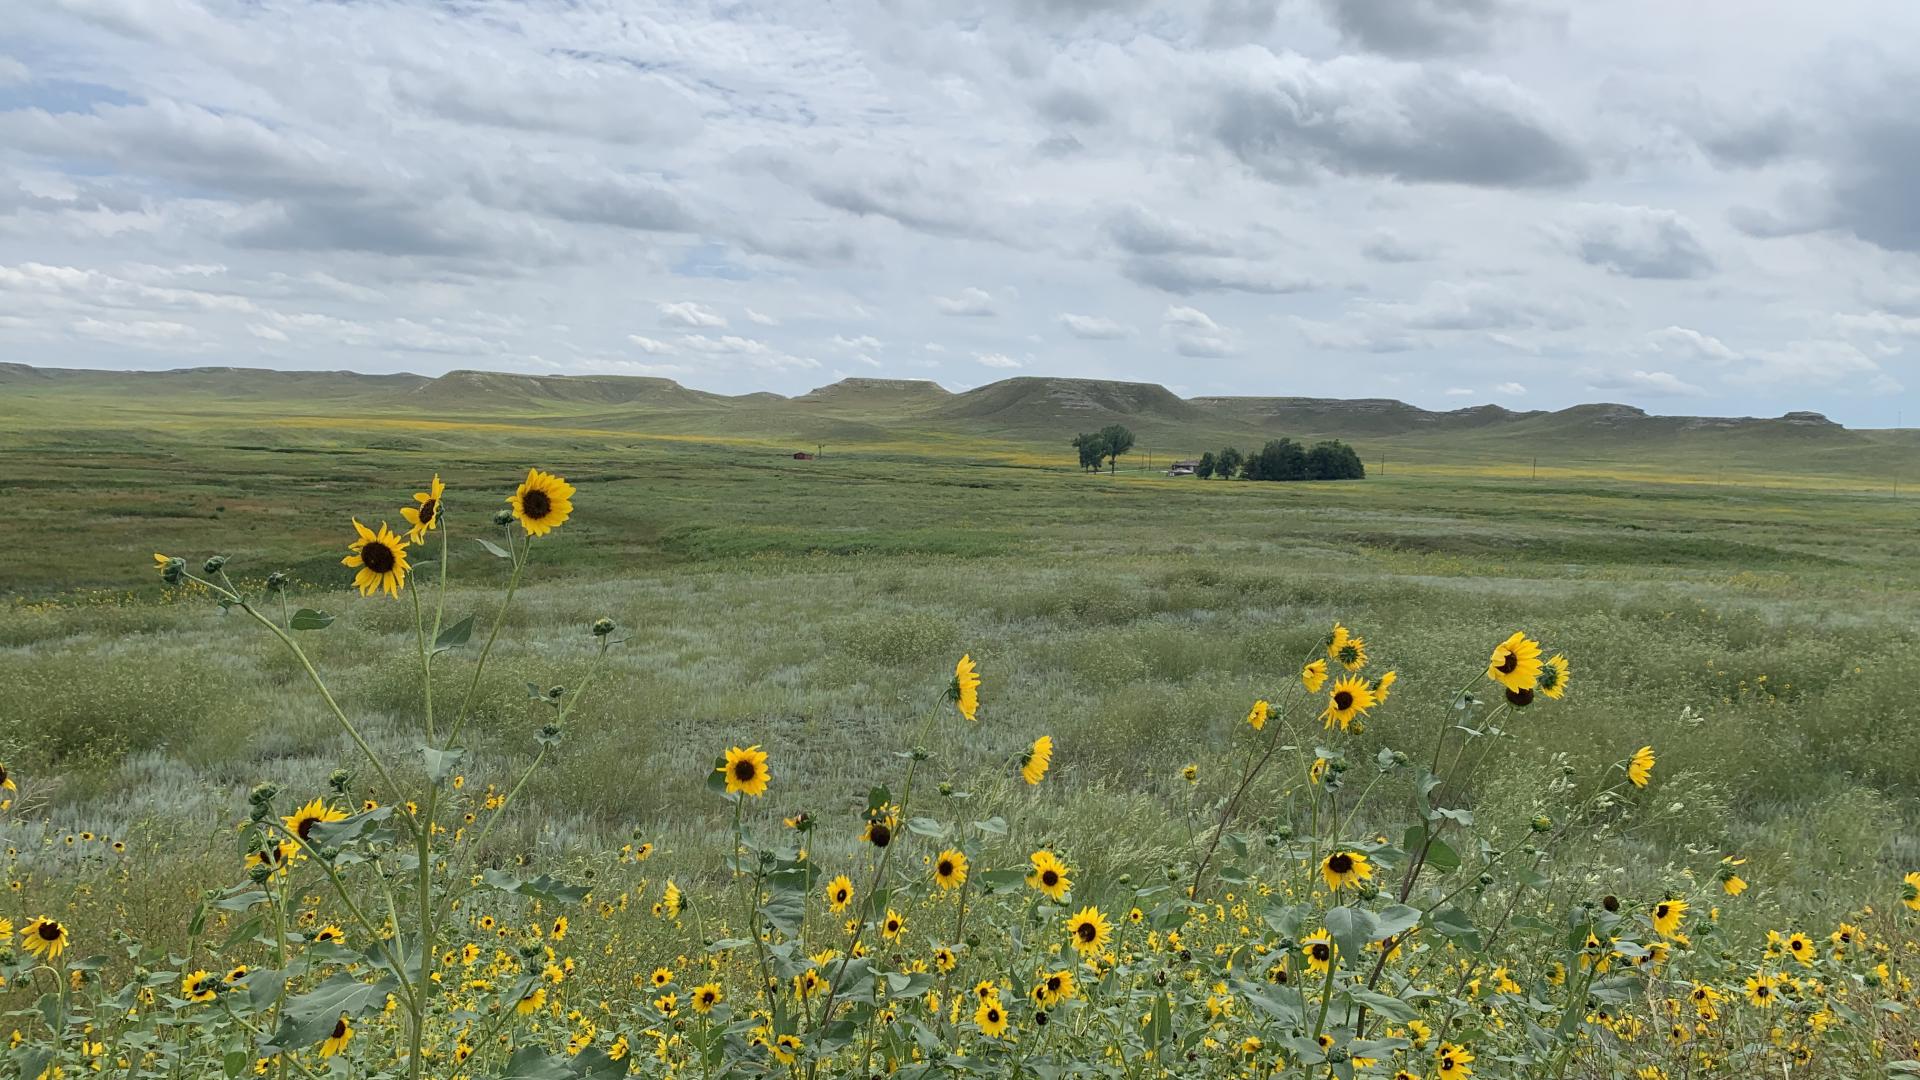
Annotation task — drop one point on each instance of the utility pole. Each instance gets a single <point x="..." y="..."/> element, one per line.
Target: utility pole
<point x="1536" y="467"/>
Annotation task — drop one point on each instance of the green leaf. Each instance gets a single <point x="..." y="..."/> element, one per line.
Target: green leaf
<point x="1386" y="1005"/>
<point x="534" y="1063"/>
<point x="441" y="763"/>
<point x="785" y="910"/>
<point x="545" y="887"/>
<point x="1159" y="1022"/>
<point x="308" y="619"/>
<point x="493" y="549"/>
<point x="454" y="636"/>
<point x="33" y="1061"/>
<point x="904" y="985"/>
<point x="309" y="1018"/>
<point x="1440" y="854"/>
<point x="928" y="827"/>
<point x="1454" y="923"/>
<point x="1392" y="920"/>
<point x="1000" y="879"/>
<point x="337" y="833"/>
<point x="993" y="826"/>
<point x="1351" y="929"/>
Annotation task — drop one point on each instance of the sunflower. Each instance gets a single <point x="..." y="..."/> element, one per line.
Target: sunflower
<point x="1345" y="649"/>
<point x="667" y="1004"/>
<point x="894" y="925"/>
<point x="1318" y="770"/>
<point x="1055" y="988"/>
<point x="1667" y="915"/>
<point x="1318" y="949"/>
<point x="1345" y="868"/>
<point x="881" y="821"/>
<point x="950" y="869"/>
<point x="44" y="937"/>
<point x="965" y="691"/>
<point x="381" y="559"/>
<point x="541" y="503"/>
<point x="329" y="935"/>
<point x="1089" y="930"/>
<point x="1515" y="663"/>
<point x="746" y="771"/>
<point x="1350" y="698"/>
<point x="1800" y="947"/>
<point x="1383" y="685"/>
<point x="301" y="822"/>
<point x="661" y="977"/>
<point x="1450" y="1062"/>
<point x="1049" y="875"/>
<point x="1640" y="769"/>
<point x="991" y="1018"/>
<point x="1554" y="677"/>
<point x="786" y="1048"/>
<point x="839" y="894"/>
<point x="1761" y="989"/>
<point x="944" y="960"/>
<point x="1910" y="891"/>
<point x="6" y="779"/>
<point x="1313" y="676"/>
<point x="706" y="996"/>
<point x="1257" y="716"/>
<point x="532" y="1002"/>
<point x="275" y="857"/>
<point x="200" y="986"/>
<point x="338" y="1038"/>
<point x="1033" y="768"/>
<point x="426" y="517"/>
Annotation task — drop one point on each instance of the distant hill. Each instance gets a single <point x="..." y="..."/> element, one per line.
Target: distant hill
<point x="876" y="393"/>
<point x="1080" y="403"/>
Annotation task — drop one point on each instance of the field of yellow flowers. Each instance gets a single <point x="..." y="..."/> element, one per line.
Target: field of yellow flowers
<point x="1338" y="912"/>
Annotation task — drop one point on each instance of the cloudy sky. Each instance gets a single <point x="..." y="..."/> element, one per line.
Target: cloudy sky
<point x="1695" y="207"/>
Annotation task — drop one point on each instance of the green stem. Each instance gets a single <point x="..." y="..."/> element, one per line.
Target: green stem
<point x="525" y="554"/>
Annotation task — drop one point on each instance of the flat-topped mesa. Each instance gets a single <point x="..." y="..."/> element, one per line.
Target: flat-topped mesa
<point x="1080" y="401"/>
<point x="858" y="391"/>
<point x="457" y="388"/>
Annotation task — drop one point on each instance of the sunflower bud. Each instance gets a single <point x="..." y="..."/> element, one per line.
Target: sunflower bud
<point x="1542" y="823"/>
<point x="277" y="581"/>
<point x="1126" y="879"/>
<point x="555" y="693"/>
<point x="921" y="753"/>
<point x="503" y="517"/>
<point x="262" y="794"/>
<point x="602" y="627"/>
<point x="259" y="874"/>
<point x="340" y="780"/>
<point x="946" y="787"/>
<point x="215" y="564"/>
<point x="1610" y="902"/>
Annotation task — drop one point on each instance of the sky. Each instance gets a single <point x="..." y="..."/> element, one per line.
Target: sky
<point x="1703" y="207"/>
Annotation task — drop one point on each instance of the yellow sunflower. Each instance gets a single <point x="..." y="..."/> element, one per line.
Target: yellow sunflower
<point x="1383" y="685"/>
<point x="965" y="691"/>
<point x="1314" y="676"/>
<point x="786" y="1048"/>
<point x="1450" y="1062"/>
<point x="1640" y="769"/>
<point x="746" y="771"/>
<point x="301" y="822"/>
<point x="6" y="779"/>
<point x="1033" y="768"/>
<point x="380" y="559"/>
<point x="274" y="857"/>
<point x="200" y="986"/>
<point x="1667" y="915"/>
<point x="541" y="503"/>
<point x="338" y="1038"/>
<point x="839" y="893"/>
<point x="1555" y="676"/>
<point x="1515" y="663"/>
<point x="950" y="869"/>
<point x="424" y="518"/>
<point x="44" y="937"/>
<point x="706" y="996"/>
<point x="1049" y="875"/>
<point x="991" y="1018"/>
<point x="1349" y="698"/>
<point x="1257" y="716"/>
<point x="1909" y="890"/>
<point x="1343" y="867"/>
<point x="1318" y="949"/>
<point x="1089" y="930"/>
<point x="1761" y="989"/>
<point x="893" y="926"/>
<point x="1346" y="649"/>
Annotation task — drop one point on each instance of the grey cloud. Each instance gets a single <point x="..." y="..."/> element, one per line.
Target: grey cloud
<point x="1640" y="242"/>
<point x="1416" y="27"/>
<point x="1071" y="105"/>
<point x="1387" y="246"/>
<point x="1750" y="143"/>
<point x="1294" y="119"/>
<point x="1185" y="275"/>
<point x="1142" y="232"/>
<point x="600" y="101"/>
<point x="389" y="226"/>
<point x="605" y="199"/>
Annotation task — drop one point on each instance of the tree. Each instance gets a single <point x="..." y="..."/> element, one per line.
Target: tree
<point x="1334" y="460"/>
<point x="1280" y="459"/>
<point x="1115" y="440"/>
<point x="1227" y="464"/>
<point x="1204" y="470"/>
<point x="1092" y="447"/>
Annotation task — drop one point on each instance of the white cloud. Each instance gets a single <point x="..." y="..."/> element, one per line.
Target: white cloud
<point x="758" y="319"/>
<point x="650" y="346"/>
<point x="1094" y="328"/>
<point x="997" y="360"/>
<point x="1511" y="389"/>
<point x="1193" y="333"/>
<point x="688" y="313"/>
<point x="969" y="301"/>
<point x="1655" y="383"/>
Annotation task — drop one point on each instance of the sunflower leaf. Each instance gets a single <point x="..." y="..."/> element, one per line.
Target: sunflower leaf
<point x="454" y="636"/>
<point x="493" y="549"/>
<point x="442" y="763"/>
<point x="310" y="1017"/>
<point x="309" y="619"/>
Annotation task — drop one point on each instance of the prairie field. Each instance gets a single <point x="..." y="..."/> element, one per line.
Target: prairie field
<point x="1757" y="633"/>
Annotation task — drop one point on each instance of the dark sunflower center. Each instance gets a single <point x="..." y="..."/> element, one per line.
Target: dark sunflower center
<point x="427" y="510"/>
<point x="1660" y="912"/>
<point x="1340" y="863"/>
<point x="881" y="835"/>
<point x="1049" y="878"/>
<point x="535" y="505"/>
<point x="1086" y="931"/>
<point x="1321" y="951"/>
<point x="51" y="931"/>
<point x="378" y="557"/>
<point x="1520" y="698"/>
<point x="840" y="897"/>
<point x="744" y="770"/>
<point x="993" y="1016"/>
<point x="946" y="868"/>
<point x="1053" y="983"/>
<point x="340" y="1028"/>
<point x="1343" y="700"/>
<point x="1509" y="662"/>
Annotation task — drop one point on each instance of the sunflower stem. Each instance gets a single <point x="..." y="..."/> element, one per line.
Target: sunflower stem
<point x="525" y="554"/>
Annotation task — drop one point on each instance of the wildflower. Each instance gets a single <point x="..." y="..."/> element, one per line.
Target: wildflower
<point x="301" y="821"/>
<point x="1382" y="686"/>
<point x="1553" y="678"/>
<point x="706" y="996"/>
<point x="1515" y="663"/>
<point x="1318" y="949"/>
<point x="945" y="960"/>
<point x="1190" y="773"/>
<point x="1350" y="698"/>
<point x="533" y="1002"/>
<point x="991" y="1018"/>
<point x="786" y="1048"/>
<point x="1800" y="947"/>
<point x="839" y="893"/>
<point x="1318" y="770"/>
<point x="668" y="1004"/>
<point x="542" y="502"/>
<point x="1450" y="1062"/>
<point x="746" y="771"/>
<point x="1313" y="676"/>
<point x="1667" y="915"/>
<point x="1089" y="930"/>
<point x="1049" y="875"/>
<point x="1733" y="884"/>
<point x="1762" y="989"/>
<point x="380" y="559"/>
<point x="274" y="857"/>
<point x="44" y="937"/>
<point x="1033" y="768"/>
<point x="1346" y="649"/>
<point x="338" y="1038"/>
<point x="1910" y="891"/>
<point x="200" y="986"/>
<point x="965" y="691"/>
<point x="1257" y="716"/>
<point x="661" y="977"/>
<point x="329" y="935"/>
<point x="1345" y="868"/>
<point x="893" y="926"/>
<point x="1640" y="769"/>
<point x="424" y="518"/>
<point x="880" y="825"/>
<point x="1058" y="986"/>
<point x="950" y="869"/>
